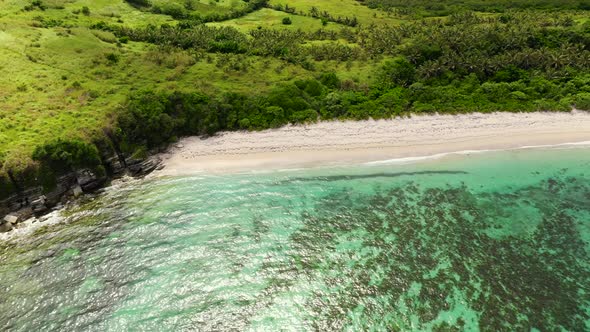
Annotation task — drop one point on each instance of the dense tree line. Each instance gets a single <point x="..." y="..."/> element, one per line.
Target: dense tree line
<point x="284" y="44"/>
<point x="462" y="43"/>
<point x="467" y="43"/>
<point x="190" y="17"/>
<point x="447" y="7"/>
<point x="314" y="12"/>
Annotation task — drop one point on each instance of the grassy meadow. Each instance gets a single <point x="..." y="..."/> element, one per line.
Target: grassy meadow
<point x="58" y="82"/>
<point x="75" y="69"/>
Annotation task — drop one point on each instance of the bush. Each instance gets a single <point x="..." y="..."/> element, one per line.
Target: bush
<point x="510" y="74"/>
<point x="86" y="11"/>
<point x="287" y="21"/>
<point x="173" y="9"/>
<point x="112" y="57"/>
<point x="582" y="101"/>
<point x="308" y="115"/>
<point x="289" y="97"/>
<point x="312" y="87"/>
<point x="139" y="3"/>
<point x="63" y="156"/>
<point x="35" y="4"/>
<point x="397" y="72"/>
<point x="518" y="95"/>
<point x="145" y="122"/>
<point x="496" y="92"/>
<point x="268" y="117"/>
<point x="105" y="36"/>
<point x="190" y="4"/>
<point x="244" y="123"/>
<point x="330" y="80"/>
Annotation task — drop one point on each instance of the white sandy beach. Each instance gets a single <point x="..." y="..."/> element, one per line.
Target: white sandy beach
<point x="329" y="143"/>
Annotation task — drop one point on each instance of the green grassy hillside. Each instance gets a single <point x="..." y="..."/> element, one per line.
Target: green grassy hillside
<point x="72" y="69"/>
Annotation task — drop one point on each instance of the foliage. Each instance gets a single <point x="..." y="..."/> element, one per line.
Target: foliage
<point x="139" y="3"/>
<point x="66" y="155"/>
<point x="6" y="186"/>
<point x="35" y="4"/>
<point x="398" y="72"/>
<point x="323" y="15"/>
<point x="443" y="8"/>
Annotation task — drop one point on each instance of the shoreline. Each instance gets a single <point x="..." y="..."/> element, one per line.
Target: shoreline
<point x="340" y="143"/>
<point x="369" y="142"/>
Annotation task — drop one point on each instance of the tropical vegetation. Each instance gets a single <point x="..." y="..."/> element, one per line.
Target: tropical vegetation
<point x="85" y="78"/>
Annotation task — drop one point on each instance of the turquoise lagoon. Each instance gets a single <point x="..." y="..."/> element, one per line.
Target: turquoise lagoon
<point x="494" y="241"/>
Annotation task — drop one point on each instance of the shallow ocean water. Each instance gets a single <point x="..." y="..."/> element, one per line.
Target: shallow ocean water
<point x="495" y="241"/>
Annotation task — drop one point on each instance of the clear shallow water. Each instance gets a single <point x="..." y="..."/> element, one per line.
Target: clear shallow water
<point x="493" y="241"/>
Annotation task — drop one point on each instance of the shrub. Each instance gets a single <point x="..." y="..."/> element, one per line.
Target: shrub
<point x="510" y="74"/>
<point x="289" y="97"/>
<point x="495" y="92"/>
<point x="86" y="11"/>
<point x="112" y="57"/>
<point x="173" y="9"/>
<point x="330" y="80"/>
<point x="145" y="122"/>
<point x="67" y="155"/>
<point x="105" y="36"/>
<point x="244" y="123"/>
<point x="398" y="72"/>
<point x="582" y="101"/>
<point x="518" y="95"/>
<point x="311" y="87"/>
<point x="190" y="4"/>
<point x="35" y="4"/>
<point x="308" y="115"/>
<point x="139" y="3"/>
<point x="268" y="117"/>
<point x="287" y="21"/>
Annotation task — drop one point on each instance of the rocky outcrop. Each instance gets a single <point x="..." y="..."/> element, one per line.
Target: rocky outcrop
<point x="142" y="167"/>
<point x="5" y="226"/>
<point x="20" y="200"/>
<point x="33" y="201"/>
<point x="115" y="166"/>
<point x="89" y="180"/>
<point x="39" y="205"/>
<point x="11" y="220"/>
<point x="63" y="188"/>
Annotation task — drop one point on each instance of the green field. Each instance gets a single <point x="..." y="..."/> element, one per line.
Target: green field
<point x="57" y="81"/>
<point x="272" y="19"/>
<point x="72" y="69"/>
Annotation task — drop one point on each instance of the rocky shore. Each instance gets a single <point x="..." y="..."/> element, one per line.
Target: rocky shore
<point x="33" y="202"/>
<point x="311" y="145"/>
